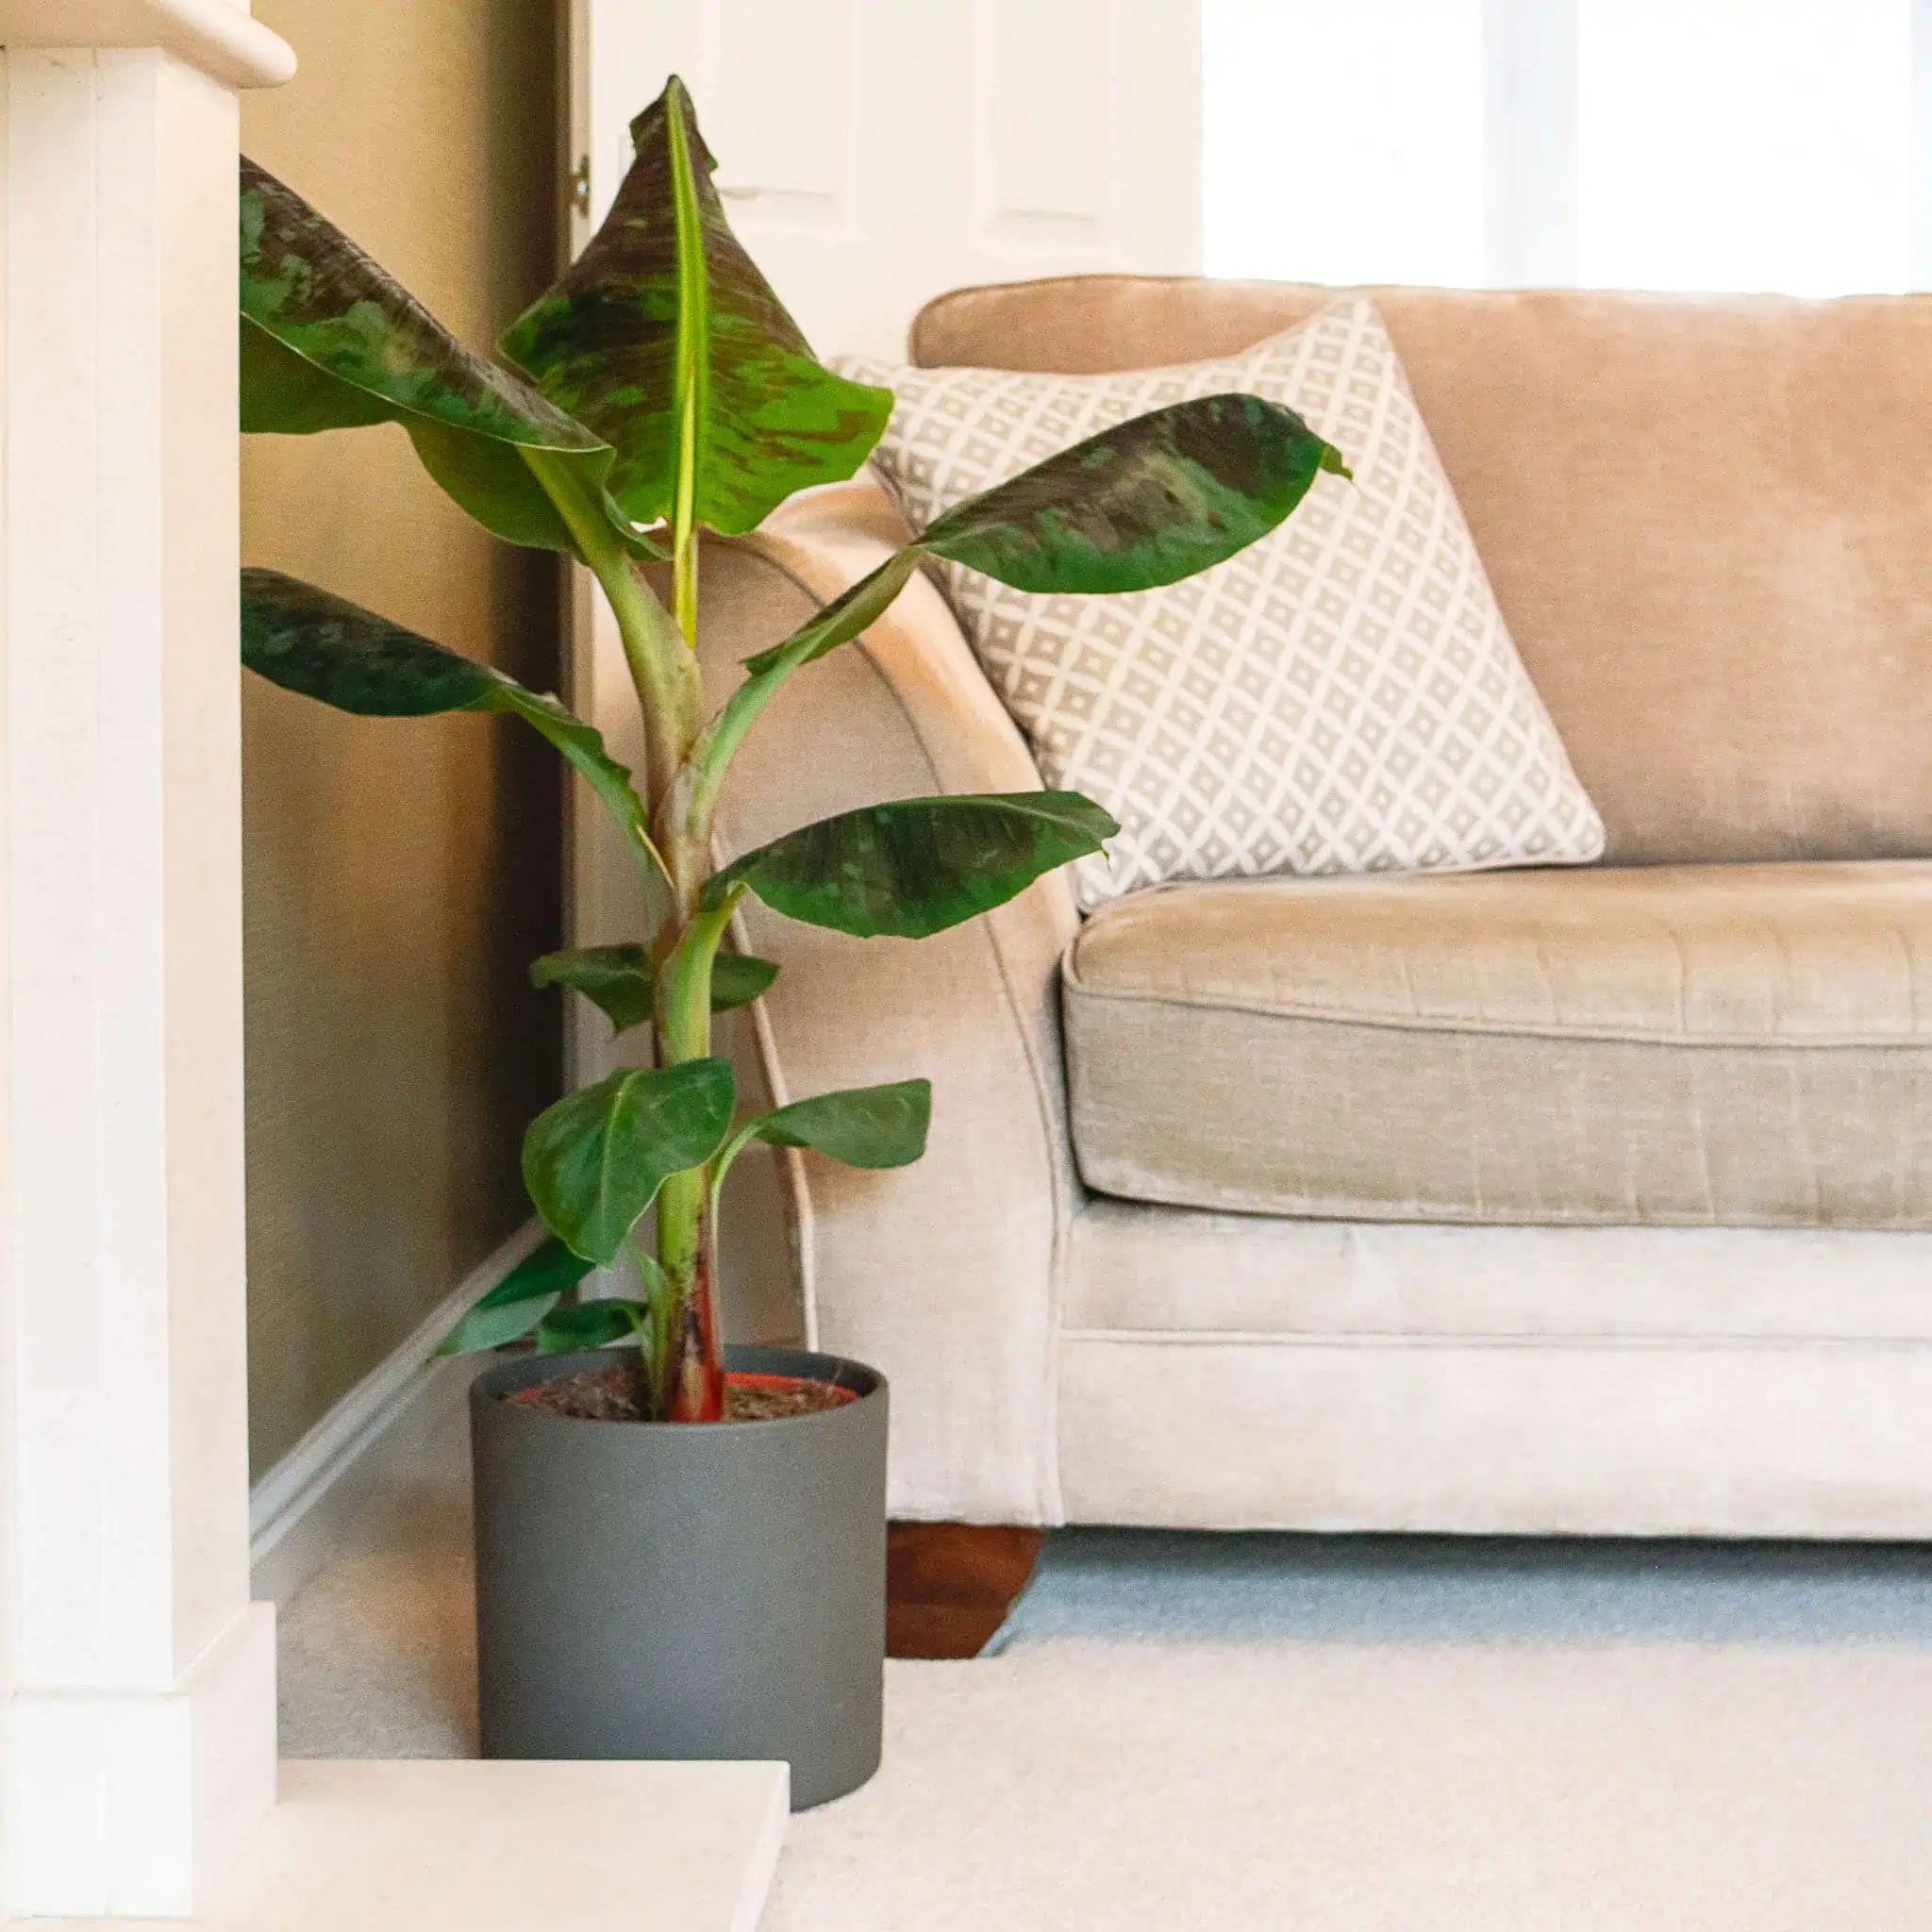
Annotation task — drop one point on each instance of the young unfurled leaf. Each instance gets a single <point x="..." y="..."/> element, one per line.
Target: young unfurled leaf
<point x="331" y="340"/>
<point x="664" y="306"/>
<point x="737" y="978"/>
<point x="322" y="646"/>
<point x="519" y="1301"/>
<point x="615" y="978"/>
<point x="589" y="1324"/>
<point x="1146" y="503"/>
<point x="594" y="1160"/>
<point x="918" y="865"/>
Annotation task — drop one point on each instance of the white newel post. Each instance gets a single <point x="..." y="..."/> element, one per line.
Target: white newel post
<point x="138" y="1723"/>
<point x="138" y="1775"/>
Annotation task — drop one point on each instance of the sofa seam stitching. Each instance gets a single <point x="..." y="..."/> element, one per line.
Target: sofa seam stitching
<point x="1498" y="1338"/>
<point x="1337" y="1016"/>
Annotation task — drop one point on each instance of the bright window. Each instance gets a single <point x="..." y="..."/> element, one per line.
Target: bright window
<point x="1758" y="145"/>
<point x="1712" y="144"/>
<point x="1344" y="139"/>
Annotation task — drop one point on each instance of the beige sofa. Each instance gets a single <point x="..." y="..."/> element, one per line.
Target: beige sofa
<point x="1592" y="1201"/>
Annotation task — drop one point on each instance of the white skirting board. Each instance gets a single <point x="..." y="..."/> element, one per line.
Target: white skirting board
<point x="296" y="1511"/>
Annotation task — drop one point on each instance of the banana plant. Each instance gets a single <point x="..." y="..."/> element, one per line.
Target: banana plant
<point x="657" y="391"/>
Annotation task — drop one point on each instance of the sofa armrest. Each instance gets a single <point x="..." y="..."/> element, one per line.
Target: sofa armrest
<point x="944" y="1275"/>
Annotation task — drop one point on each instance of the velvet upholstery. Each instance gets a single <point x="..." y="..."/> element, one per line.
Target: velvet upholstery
<point x="1704" y="521"/>
<point x="1707" y="522"/>
<point x="1739" y="1045"/>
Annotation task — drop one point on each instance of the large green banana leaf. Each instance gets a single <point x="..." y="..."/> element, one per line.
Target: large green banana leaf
<point x="331" y="340"/>
<point x="663" y="336"/>
<point x="319" y="645"/>
<point x="1145" y="502"/>
<point x="1148" y="502"/>
<point x="917" y="865"/>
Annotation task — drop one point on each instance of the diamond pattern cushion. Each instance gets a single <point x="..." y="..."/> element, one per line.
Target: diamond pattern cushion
<point x="1342" y="697"/>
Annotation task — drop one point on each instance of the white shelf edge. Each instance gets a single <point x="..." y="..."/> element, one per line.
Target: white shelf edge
<point x="454" y="1845"/>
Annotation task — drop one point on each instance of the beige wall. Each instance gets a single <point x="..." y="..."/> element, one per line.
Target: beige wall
<point x="400" y="874"/>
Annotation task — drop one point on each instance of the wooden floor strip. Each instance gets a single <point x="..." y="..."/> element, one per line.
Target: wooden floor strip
<point x="950" y="1585"/>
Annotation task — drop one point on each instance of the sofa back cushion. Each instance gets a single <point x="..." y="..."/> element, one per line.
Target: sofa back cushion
<point x="1708" y="522"/>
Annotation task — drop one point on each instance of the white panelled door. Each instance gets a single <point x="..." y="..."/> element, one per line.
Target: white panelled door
<point x="876" y="152"/>
<point x="873" y="153"/>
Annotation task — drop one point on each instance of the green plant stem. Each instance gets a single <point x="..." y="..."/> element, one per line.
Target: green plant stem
<point x="716" y="745"/>
<point x="684" y="1033"/>
<point x="688" y="1367"/>
<point x="685" y="1023"/>
<point x="839" y="622"/>
<point x="662" y="669"/>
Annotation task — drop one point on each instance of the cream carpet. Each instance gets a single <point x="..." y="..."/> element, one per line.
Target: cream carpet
<point x="1363" y="1734"/>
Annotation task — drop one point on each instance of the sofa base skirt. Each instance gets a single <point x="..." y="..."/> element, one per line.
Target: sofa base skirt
<point x="1603" y="1437"/>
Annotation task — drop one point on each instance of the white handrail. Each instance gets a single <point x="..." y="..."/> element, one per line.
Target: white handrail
<point x="217" y="36"/>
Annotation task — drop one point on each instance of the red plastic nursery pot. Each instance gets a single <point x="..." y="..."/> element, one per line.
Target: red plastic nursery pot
<point x="678" y="1590"/>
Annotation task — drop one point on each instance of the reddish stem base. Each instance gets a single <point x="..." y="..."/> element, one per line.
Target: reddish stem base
<point x="697" y="1366"/>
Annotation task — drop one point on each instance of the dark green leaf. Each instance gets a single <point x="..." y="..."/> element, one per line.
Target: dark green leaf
<point x="605" y="343"/>
<point x="739" y="978"/>
<point x="594" y="1160"/>
<point x="331" y="340"/>
<point x="918" y="865"/>
<point x="583" y="745"/>
<point x="519" y="1301"/>
<point x="285" y="395"/>
<point x="494" y="1327"/>
<point x="863" y="1127"/>
<point x="1148" y="502"/>
<point x="589" y="1325"/>
<point x="311" y="641"/>
<point x="549" y="1268"/>
<point x="616" y="978"/>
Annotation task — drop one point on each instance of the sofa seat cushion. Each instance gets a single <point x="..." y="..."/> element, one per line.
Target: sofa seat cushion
<point x="1685" y="1045"/>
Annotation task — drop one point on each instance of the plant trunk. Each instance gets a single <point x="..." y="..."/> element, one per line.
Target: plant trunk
<point x="695" y="1373"/>
<point x="690" y="1368"/>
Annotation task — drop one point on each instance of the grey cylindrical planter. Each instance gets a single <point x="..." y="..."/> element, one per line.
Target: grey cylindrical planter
<point x="652" y="1589"/>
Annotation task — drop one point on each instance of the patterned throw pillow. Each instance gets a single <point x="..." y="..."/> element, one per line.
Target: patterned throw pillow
<point x="1342" y="697"/>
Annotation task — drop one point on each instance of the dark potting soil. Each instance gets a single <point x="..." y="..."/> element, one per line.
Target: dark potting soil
<point x="614" y="1394"/>
<point x="592" y="1395"/>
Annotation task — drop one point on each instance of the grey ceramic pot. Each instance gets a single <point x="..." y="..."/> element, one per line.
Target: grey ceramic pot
<point x="648" y="1589"/>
